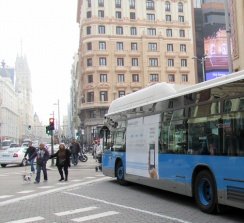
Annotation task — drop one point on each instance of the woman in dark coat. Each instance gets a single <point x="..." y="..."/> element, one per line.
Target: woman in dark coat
<point x="62" y="161"/>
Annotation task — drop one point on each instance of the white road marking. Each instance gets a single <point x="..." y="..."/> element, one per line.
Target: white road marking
<point x="25" y="192"/>
<point x="46" y="187"/>
<point x="75" y="211"/>
<point x="76" y="180"/>
<point x="6" y="196"/>
<point x="89" y="177"/>
<point x="27" y="220"/>
<point x="3" y="175"/>
<point x="130" y="208"/>
<point x="70" y="186"/>
<point x="95" y="216"/>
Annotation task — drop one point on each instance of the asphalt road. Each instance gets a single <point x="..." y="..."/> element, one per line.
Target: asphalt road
<point x="89" y="196"/>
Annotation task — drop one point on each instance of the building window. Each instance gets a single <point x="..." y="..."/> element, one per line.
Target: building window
<point x="170" y="47"/>
<point x="118" y="15"/>
<point x="120" y="61"/>
<point x="151" y="17"/>
<point x="134" y="62"/>
<point x="182" y="47"/>
<point x="182" y="33"/>
<point x="181" y="18"/>
<point x="101" y="3"/>
<point x="121" y="78"/>
<point x="180" y="7"/>
<point x="103" y="112"/>
<point x="184" y="78"/>
<point x="149" y="4"/>
<point x="119" y="30"/>
<point x="88" y="14"/>
<point x="121" y="94"/>
<point x="90" y="96"/>
<point x="119" y="46"/>
<point x="169" y="32"/>
<point x="102" y="61"/>
<point x="170" y="62"/>
<point x="132" y="4"/>
<point x="168" y="18"/>
<point x="89" y="46"/>
<point x="103" y="78"/>
<point x="153" y="62"/>
<point x="88" y="3"/>
<point x="152" y="46"/>
<point x="135" y="77"/>
<point x="134" y="46"/>
<point x="88" y="30"/>
<point x="90" y="78"/>
<point x="132" y="15"/>
<point x="151" y="31"/>
<point x="117" y="3"/>
<point x="101" y="29"/>
<point x="102" y="45"/>
<point x="133" y="31"/>
<point x="89" y="62"/>
<point x="171" y="78"/>
<point x="167" y="6"/>
<point x="183" y="62"/>
<point x="100" y="13"/>
<point x="103" y="96"/>
<point x="153" y="77"/>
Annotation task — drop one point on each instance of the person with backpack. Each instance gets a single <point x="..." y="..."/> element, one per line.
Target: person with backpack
<point x="42" y="157"/>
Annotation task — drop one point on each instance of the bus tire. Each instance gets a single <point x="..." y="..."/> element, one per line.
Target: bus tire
<point x="205" y="192"/>
<point x="120" y="173"/>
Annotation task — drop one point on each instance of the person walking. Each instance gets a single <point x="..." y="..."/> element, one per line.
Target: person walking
<point x="30" y="151"/>
<point x="42" y="157"/>
<point x="75" y="150"/>
<point x="62" y="161"/>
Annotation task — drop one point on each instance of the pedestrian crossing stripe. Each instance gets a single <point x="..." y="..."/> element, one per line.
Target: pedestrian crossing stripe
<point x="6" y="196"/>
<point x="94" y="216"/>
<point x="75" y="211"/>
<point x="25" y="191"/>
<point x="26" y="220"/>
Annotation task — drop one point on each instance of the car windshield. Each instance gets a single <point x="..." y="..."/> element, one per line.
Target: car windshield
<point x="6" y="143"/>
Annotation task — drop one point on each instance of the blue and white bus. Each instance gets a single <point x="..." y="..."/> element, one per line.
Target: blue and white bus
<point x="187" y="140"/>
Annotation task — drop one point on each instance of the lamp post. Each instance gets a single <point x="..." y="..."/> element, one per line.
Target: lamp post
<point x="202" y="60"/>
<point x="58" y="119"/>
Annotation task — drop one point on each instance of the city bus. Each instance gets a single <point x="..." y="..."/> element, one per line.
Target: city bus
<point x="184" y="139"/>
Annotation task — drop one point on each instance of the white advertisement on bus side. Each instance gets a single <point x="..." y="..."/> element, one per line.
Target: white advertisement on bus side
<point x="142" y="146"/>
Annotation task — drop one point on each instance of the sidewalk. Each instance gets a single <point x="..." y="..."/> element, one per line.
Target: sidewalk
<point x="90" y="164"/>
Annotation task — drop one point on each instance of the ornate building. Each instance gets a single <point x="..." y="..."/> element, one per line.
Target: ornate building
<point x="126" y="45"/>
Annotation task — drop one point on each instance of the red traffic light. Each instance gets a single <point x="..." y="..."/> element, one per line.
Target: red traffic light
<point x="51" y="123"/>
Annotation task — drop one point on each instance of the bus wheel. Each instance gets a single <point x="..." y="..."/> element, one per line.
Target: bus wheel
<point x="205" y="192"/>
<point x="120" y="173"/>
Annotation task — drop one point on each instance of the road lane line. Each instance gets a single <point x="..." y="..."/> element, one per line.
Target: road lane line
<point x="75" y="211"/>
<point x="70" y="186"/>
<point x="27" y="220"/>
<point x="130" y="208"/>
<point x="95" y="216"/>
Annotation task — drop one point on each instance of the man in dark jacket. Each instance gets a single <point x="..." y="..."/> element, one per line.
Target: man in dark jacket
<point x="30" y="151"/>
<point x="75" y="150"/>
<point x="42" y="157"/>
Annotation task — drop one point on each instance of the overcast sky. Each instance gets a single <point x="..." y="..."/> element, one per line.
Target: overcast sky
<point x="49" y="35"/>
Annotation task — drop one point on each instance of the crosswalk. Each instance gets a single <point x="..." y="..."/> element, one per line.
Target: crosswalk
<point x="84" y="218"/>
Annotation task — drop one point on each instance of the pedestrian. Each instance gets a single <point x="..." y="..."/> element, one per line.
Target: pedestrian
<point x="42" y="157"/>
<point x="62" y="161"/>
<point x="99" y="151"/>
<point x="30" y="151"/>
<point x="75" y="150"/>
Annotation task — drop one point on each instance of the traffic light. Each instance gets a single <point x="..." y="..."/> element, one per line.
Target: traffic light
<point x="29" y="127"/>
<point x="51" y="123"/>
<point x="48" y="130"/>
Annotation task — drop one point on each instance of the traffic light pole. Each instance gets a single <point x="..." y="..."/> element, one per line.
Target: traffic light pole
<point x="52" y="146"/>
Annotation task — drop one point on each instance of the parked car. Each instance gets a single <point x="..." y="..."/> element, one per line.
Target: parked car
<point x="13" y="155"/>
<point x="6" y="144"/>
<point x="14" y="145"/>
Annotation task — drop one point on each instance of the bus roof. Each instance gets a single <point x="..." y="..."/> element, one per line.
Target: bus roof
<point x="164" y="91"/>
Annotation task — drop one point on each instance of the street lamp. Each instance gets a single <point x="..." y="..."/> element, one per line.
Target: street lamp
<point x="58" y="119"/>
<point x="202" y="60"/>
